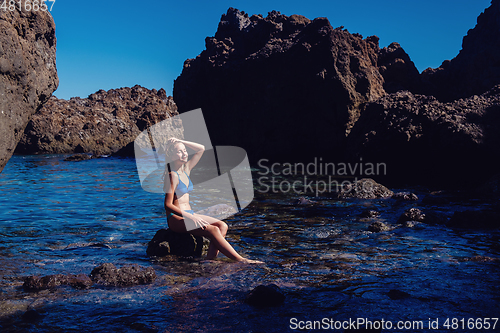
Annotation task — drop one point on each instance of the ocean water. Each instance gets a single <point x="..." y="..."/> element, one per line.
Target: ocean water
<point x="69" y="217"/>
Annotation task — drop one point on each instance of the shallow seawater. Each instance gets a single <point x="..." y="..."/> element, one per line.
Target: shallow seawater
<point x="69" y="217"/>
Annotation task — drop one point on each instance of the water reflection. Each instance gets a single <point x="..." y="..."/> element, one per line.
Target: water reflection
<point x="68" y="217"/>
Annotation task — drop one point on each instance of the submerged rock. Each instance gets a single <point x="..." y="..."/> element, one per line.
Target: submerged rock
<point x="397" y="294"/>
<point x="28" y="74"/>
<point x="166" y="242"/>
<point x="130" y="275"/>
<point x="365" y="188"/>
<point x="31" y="316"/>
<point x="265" y="295"/>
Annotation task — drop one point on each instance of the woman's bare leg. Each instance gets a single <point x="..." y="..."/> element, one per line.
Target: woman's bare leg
<point x="215" y="233"/>
<point x="212" y="249"/>
<point x="220" y="243"/>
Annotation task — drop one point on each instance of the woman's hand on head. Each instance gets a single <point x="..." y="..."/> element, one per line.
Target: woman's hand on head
<point x="173" y="140"/>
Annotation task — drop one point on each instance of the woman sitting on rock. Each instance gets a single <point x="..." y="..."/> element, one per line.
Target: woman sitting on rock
<point x="179" y="212"/>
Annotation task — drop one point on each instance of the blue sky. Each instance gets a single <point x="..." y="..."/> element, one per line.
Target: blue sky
<point x="121" y="43"/>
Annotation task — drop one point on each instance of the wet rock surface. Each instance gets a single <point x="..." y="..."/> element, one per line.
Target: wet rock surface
<point x="35" y="283"/>
<point x="405" y="196"/>
<point x="378" y="226"/>
<point x="107" y="274"/>
<point x="103" y="123"/>
<point x="28" y="73"/>
<point x="365" y="188"/>
<point x="369" y="213"/>
<point x="166" y="242"/>
<point x="412" y="214"/>
<point x="79" y="157"/>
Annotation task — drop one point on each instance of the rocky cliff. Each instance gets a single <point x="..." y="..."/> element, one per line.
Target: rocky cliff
<point x="426" y="141"/>
<point x="288" y="88"/>
<point x="28" y="73"/>
<point x="476" y="68"/>
<point x="102" y="123"/>
<point x="281" y="86"/>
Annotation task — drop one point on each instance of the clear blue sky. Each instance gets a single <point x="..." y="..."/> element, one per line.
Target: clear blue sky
<point x="121" y="43"/>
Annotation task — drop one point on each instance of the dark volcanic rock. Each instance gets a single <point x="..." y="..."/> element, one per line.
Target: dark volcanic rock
<point x="476" y="69"/>
<point x="166" y="242"/>
<point x="472" y="219"/>
<point x="279" y="84"/>
<point x="398" y="70"/>
<point x="397" y="294"/>
<point x="365" y="188"/>
<point x="490" y="188"/>
<point x="265" y="295"/>
<point x="369" y="213"/>
<point x="423" y="140"/>
<point x="34" y="283"/>
<point x="405" y="196"/>
<point x="412" y="214"/>
<point x="31" y="316"/>
<point x="103" y="123"/>
<point x="378" y="226"/>
<point x="79" y="157"/>
<point x="28" y="73"/>
<point x="130" y="275"/>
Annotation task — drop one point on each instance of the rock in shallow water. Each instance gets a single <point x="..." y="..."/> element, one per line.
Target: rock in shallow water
<point x="369" y="213"/>
<point x="405" y="196"/>
<point x="365" y="188"/>
<point x="130" y="275"/>
<point x="166" y="242"/>
<point x="265" y="295"/>
<point x="378" y="227"/>
<point x="35" y="283"/>
<point x="412" y="214"/>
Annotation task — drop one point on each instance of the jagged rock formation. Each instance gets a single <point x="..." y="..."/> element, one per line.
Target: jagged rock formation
<point x="28" y="73"/>
<point x="288" y="88"/>
<point x="398" y="70"/>
<point x="424" y="140"/>
<point x="476" y="68"/>
<point x="278" y="85"/>
<point x="103" y="123"/>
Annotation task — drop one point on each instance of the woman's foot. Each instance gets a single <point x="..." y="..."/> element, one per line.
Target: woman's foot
<point x="250" y="261"/>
